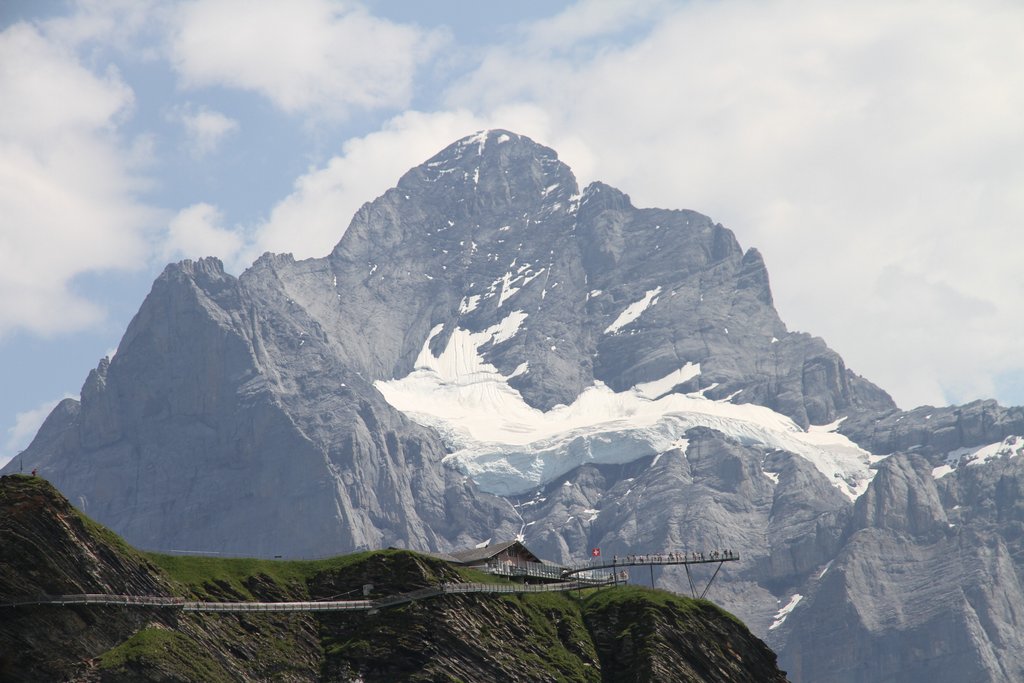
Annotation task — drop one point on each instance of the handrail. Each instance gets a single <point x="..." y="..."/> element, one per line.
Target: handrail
<point x="98" y="599"/>
<point x="539" y="571"/>
<point x="656" y="559"/>
<point x="292" y="606"/>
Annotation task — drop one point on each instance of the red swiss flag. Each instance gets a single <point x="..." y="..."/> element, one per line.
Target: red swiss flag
<point x="596" y="552"/>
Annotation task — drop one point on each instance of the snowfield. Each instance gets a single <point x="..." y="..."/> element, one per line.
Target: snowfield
<point x="1010" y="447"/>
<point x="509" y="447"/>
<point x="780" y="616"/>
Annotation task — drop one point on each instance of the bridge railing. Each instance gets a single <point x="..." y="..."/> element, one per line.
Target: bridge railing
<point x="652" y="559"/>
<point x="516" y="588"/>
<point x="546" y="571"/>
<point x="400" y="598"/>
<point x="303" y="606"/>
<point x="530" y="569"/>
<point x="99" y="599"/>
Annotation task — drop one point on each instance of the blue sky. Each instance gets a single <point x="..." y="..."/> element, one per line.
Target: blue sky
<point x="872" y="152"/>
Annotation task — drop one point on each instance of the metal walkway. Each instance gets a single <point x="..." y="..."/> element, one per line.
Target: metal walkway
<point x="305" y="606"/>
<point x="658" y="560"/>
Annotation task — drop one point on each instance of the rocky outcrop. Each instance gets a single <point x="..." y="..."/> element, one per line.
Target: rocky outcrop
<point x="935" y="432"/>
<point x="711" y="493"/>
<point x="225" y="423"/>
<point x="640" y="639"/>
<point x="50" y="549"/>
<point x="912" y="596"/>
<point x="902" y="498"/>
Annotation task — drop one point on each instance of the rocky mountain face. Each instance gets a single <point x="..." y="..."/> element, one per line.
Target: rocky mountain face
<point x="227" y="422"/>
<point x="615" y="634"/>
<point x="491" y="351"/>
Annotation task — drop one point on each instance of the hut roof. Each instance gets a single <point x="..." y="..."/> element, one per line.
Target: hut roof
<point x="478" y="555"/>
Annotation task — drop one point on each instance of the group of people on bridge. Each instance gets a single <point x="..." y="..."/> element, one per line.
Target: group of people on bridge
<point x="662" y="558"/>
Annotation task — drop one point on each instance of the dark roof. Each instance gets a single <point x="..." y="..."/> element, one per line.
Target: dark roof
<point x="474" y="555"/>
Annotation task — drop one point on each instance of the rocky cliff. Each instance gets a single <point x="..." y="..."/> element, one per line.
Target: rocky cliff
<point x="236" y="406"/>
<point x="613" y="634"/>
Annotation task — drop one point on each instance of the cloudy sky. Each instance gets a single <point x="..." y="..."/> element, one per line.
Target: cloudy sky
<point x="873" y="152"/>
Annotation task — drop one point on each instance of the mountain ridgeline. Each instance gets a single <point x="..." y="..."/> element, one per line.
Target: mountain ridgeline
<point x="491" y="351"/>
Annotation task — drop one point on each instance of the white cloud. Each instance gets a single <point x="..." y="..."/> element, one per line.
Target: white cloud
<point x="26" y="424"/>
<point x="196" y="232"/>
<point x="313" y="56"/>
<point x="67" y="187"/>
<point x="846" y="141"/>
<point x="593" y="19"/>
<point x="131" y="26"/>
<point x="204" y="127"/>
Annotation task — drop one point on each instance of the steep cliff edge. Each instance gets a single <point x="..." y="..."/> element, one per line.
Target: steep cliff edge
<point x="49" y="548"/>
<point x="612" y="634"/>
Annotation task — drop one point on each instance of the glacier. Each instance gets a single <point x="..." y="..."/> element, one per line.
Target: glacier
<point x="509" y="447"/>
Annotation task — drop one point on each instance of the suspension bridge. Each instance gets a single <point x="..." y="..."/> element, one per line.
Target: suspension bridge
<point x="106" y="599"/>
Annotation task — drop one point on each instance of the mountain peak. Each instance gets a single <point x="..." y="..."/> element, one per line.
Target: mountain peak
<point x="466" y="194"/>
<point x="479" y="142"/>
<point x="209" y="266"/>
<point x="495" y="153"/>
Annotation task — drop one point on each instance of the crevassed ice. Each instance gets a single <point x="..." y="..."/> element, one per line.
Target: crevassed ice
<point x="509" y="447"/>
<point x="460" y="363"/>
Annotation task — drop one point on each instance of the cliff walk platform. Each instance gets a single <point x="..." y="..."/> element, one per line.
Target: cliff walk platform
<point x="550" y="577"/>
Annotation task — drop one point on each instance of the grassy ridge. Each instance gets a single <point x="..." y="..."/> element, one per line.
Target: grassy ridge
<point x="196" y="574"/>
<point x="599" y="600"/>
<point x="584" y="637"/>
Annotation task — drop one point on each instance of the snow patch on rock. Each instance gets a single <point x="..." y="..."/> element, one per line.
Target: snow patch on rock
<point x="469" y="304"/>
<point x="660" y="387"/>
<point x="1010" y="447"/>
<point x="780" y="616"/>
<point x="634" y="310"/>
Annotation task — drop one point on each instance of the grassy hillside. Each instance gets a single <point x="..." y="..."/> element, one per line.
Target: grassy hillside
<point x="611" y="634"/>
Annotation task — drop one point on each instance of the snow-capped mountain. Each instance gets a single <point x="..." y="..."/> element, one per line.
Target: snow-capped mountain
<point x="492" y="351"/>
